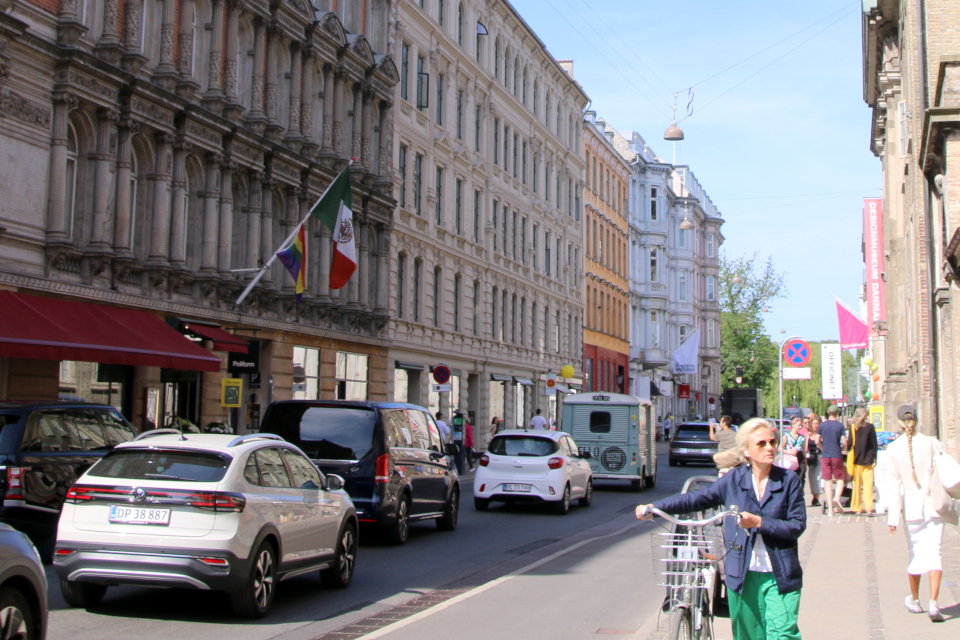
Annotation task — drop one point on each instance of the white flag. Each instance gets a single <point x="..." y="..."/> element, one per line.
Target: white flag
<point x="685" y="356"/>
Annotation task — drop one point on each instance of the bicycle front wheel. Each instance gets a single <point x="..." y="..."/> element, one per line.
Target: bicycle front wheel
<point x="681" y="624"/>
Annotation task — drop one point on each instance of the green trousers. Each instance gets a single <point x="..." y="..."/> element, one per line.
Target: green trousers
<point x="761" y="612"/>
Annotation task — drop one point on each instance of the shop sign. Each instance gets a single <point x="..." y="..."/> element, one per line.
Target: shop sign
<point x="683" y="391"/>
<point x="230" y="392"/>
<point x="238" y="363"/>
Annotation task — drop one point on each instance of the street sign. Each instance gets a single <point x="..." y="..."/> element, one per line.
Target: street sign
<point x="796" y="353"/>
<point x="442" y="388"/>
<point x="441" y="374"/>
<point x="551" y="385"/>
<point x="797" y="373"/>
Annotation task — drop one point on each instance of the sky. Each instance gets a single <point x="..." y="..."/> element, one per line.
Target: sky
<point x="780" y="142"/>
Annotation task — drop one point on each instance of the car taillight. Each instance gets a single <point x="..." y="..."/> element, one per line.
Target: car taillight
<point x="14" y="488"/>
<point x="215" y="562"/>
<point x="217" y="501"/>
<point x="63" y="553"/>
<point x="555" y="463"/>
<point x="484" y="460"/>
<point x="382" y="472"/>
<point x="85" y="493"/>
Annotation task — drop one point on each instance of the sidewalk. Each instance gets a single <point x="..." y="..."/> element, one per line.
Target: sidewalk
<point x="854" y="583"/>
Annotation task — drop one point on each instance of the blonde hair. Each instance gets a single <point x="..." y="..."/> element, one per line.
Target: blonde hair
<point x="859" y="416"/>
<point x="746" y="430"/>
<point x="909" y="428"/>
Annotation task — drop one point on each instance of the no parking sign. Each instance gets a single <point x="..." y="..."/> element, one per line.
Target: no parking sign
<point x="796" y="353"/>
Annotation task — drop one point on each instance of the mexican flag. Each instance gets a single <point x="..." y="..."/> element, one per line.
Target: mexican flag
<point x="335" y="210"/>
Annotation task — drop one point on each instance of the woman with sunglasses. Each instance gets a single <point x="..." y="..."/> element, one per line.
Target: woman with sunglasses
<point x="763" y="574"/>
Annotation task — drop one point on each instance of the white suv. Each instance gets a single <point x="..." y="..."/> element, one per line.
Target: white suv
<point x="204" y="511"/>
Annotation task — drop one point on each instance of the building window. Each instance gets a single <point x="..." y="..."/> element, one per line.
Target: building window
<point x="459" y="115"/>
<point x="516" y="139"/>
<point x="514" y="234"/>
<point x="134" y="181"/>
<point x="681" y="236"/>
<point x="653" y="266"/>
<point x="440" y="11"/>
<point x="533" y="326"/>
<point x="546" y="247"/>
<point x="439" y="187"/>
<point x="403" y="175"/>
<point x="496" y="141"/>
<point x="496" y="208"/>
<point x="306" y="373"/>
<point x="683" y="333"/>
<point x="70" y="179"/>
<point x="682" y="286"/>
<point x="440" y="98"/>
<point x="513" y="319"/>
<point x="558" y="260"/>
<point x="458" y="209"/>
<point x="556" y="333"/>
<point x="588" y="374"/>
<point x="476" y="307"/>
<point x="456" y="302"/>
<point x="711" y="247"/>
<point x="401" y="268"/>
<point x="534" y="173"/>
<point x="523" y="240"/>
<point x="523" y="173"/>
<point x="418" y="183"/>
<point x="506" y="146"/>
<point x="503" y="318"/>
<point x="476" y="132"/>
<point x="417" y="275"/>
<point x="505" y="224"/>
<point x="576" y="202"/>
<point x="351" y="376"/>
<point x="437" y="274"/>
<point x="476" y="216"/>
<point x="423" y="84"/>
<point x="546" y="183"/>
<point x="460" y="24"/>
<point x="654" y="330"/>
<point x="496" y="59"/>
<point x="404" y="71"/>
<point x="493" y="314"/>
<point x="711" y="333"/>
<point x="711" y="295"/>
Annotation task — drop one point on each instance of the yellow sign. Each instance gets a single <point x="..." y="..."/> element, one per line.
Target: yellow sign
<point x="876" y="416"/>
<point x="230" y="389"/>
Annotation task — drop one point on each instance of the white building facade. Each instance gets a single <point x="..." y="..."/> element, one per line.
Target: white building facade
<point x="486" y="272"/>
<point x="674" y="288"/>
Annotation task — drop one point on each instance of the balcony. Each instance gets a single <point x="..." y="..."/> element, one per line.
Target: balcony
<point x="648" y="358"/>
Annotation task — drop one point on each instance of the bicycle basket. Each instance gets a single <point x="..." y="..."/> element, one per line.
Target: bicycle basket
<point x="681" y="558"/>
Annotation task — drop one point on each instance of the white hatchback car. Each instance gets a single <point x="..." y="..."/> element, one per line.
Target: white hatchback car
<point x="533" y="466"/>
<point x="204" y="511"/>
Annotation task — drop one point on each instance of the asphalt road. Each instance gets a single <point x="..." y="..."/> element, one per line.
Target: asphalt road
<point x="507" y="572"/>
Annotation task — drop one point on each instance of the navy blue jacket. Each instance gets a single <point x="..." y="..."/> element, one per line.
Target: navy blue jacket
<point x="784" y="519"/>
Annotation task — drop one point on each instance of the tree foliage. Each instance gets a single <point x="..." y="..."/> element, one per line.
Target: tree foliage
<point x="747" y="286"/>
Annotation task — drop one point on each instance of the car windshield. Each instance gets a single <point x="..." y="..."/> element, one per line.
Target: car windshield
<point x="157" y="464"/>
<point x="693" y="432"/>
<point x="522" y="446"/>
<point x="331" y="432"/>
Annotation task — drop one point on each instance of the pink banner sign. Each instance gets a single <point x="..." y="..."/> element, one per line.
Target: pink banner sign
<point x="853" y="331"/>
<point x="873" y="256"/>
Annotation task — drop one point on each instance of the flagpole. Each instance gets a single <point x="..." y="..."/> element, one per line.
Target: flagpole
<point x="289" y="240"/>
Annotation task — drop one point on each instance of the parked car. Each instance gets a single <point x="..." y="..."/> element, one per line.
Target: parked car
<point x="204" y="511"/>
<point x="533" y="466"/>
<point x="691" y="443"/>
<point x="23" y="588"/>
<point x="395" y="466"/>
<point x="44" y="448"/>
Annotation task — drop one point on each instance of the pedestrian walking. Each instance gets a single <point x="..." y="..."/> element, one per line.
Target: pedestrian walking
<point x="831" y="459"/>
<point x="864" y="458"/>
<point x="667" y="423"/>
<point x="468" y="444"/>
<point x="763" y="573"/>
<point x="444" y="429"/>
<point x="912" y="468"/>
<point x="793" y="445"/>
<point x="494" y="427"/>
<point x="812" y="454"/>
<point x="538" y="421"/>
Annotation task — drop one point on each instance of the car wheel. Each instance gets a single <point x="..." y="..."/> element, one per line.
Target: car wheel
<point x="82" y="594"/>
<point x="563" y="507"/>
<point x="650" y="481"/>
<point x="256" y="596"/>
<point x="481" y="504"/>
<point x="400" y="530"/>
<point x="588" y="496"/>
<point x="448" y="522"/>
<point x="17" y="619"/>
<point x="339" y="575"/>
<point x="636" y="485"/>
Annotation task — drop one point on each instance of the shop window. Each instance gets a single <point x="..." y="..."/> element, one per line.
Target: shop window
<point x="306" y="373"/>
<point x="351" y="376"/>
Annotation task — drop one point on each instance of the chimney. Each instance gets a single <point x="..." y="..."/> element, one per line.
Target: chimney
<point x="567" y="65"/>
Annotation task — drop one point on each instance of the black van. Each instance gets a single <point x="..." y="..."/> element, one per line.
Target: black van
<point x="44" y="448"/>
<point x="390" y="454"/>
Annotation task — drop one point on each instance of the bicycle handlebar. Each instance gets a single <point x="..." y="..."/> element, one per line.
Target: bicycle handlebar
<point x="732" y="511"/>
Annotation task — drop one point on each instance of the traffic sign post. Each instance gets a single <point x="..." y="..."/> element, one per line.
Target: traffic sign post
<point x="797" y="352"/>
<point x="441" y="374"/>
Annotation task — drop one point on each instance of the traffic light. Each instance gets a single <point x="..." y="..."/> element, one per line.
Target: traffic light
<point x="739" y="371"/>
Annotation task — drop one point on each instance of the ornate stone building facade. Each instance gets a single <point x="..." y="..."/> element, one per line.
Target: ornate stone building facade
<point x="912" y="84"/>
<point x="153" y="151"/>
<point x="485" y="264"/>
<point x="606" y="346"/>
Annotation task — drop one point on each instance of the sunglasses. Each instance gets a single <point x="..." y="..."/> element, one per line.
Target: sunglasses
<point x="762" y="444"/>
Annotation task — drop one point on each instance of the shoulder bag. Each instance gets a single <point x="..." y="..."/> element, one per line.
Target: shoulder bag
<point x="948" y="470"/>
<point x="851" y="456"/>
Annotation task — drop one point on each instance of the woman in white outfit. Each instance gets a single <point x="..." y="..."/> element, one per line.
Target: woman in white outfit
<point x="911" y="467"/>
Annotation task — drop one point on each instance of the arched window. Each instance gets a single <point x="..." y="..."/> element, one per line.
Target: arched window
<point x="536" y="97"/>
<point x="70" y="179"/>
<point x="516" y="73"/>
<point x="506" y="68"/>
<point x="496" y="58"/>
<point x="134" y="180"/>
<point x="525" y="81"/>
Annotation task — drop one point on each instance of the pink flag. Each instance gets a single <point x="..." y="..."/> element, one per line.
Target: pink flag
<point x="853" y="330"/>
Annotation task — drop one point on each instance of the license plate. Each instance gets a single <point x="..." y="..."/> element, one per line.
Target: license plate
<point x="139" y="515"/>
<point x="689" y="450"/>
<point x="516" y="487"/>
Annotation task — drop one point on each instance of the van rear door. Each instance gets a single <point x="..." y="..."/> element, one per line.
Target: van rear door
<point x="604" y="431"/>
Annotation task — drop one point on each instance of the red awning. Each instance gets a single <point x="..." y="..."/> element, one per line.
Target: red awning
<point x="53" y="329"/>
<point x="222" y="341"/>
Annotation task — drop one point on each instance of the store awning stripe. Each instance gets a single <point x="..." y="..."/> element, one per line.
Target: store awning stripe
<point x="524" y="381"/>
<point x="222" y="341"/>
<point x="35" y="327"/>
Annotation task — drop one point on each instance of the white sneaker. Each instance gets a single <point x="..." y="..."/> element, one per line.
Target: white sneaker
<point x="935" y="614"/>
<point x="913" y="606"/>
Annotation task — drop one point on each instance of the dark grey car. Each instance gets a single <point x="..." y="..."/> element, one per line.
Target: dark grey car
<point x="23" y="588"/>
<point x="691" y="443"/>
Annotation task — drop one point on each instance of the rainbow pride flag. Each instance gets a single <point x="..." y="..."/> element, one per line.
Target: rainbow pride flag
<point x="294" y="258"/>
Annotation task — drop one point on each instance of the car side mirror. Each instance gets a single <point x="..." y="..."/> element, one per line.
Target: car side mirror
<point x="334" y="482"/>
<point x="451" y="449"/>
<point x="586" y="455"/>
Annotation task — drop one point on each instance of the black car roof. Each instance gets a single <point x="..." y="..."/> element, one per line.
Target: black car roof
<point x="359" y="404"/>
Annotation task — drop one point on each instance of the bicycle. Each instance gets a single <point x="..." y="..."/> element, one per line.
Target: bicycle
<point x="687" y="558"/>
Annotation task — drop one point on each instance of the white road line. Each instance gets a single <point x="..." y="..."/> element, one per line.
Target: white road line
<point x="399" y="624"/>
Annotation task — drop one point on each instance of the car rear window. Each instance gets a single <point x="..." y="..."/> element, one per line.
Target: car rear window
<point x="693" y="432"/>
<point x="158" y="464"/>
<point x="331" y="432"/>
<point x="522" y="446"/>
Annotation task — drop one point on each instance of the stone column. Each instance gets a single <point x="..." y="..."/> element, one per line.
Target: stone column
<point x="57" y="228"/>
<point x="338" y="79"/>
<point x="382" y="257"/>
<point x="362" y="275"/>
<point x="161" y="177"/>
<point x="293" y="122"/>
<point x="326" y="142"/>
<point x="121" y="223"/>
<point x="274" y="34"/>
<point x="168" y="38"/>
<point x="102" y="232"/>
<point x="178" y="217"/>
<point x="366" y="130"/>
<point x="211" y="221"/>
<point x="259" y="60"/>
<point x="355" y="147"/>
<point x="510" y="403"/>
<point x="215" y="78"/>
<point x="225" y="241"/>
<point x="133" y="57"/>
<point x="108" y="46"/>
<point x="185" y="40"/>
<point x="254" y="203"/>
<point x="306" y="104"/>
<point x="232" y="59"/>
<point x="385" y="143"/>
<point x="267" y="246"/>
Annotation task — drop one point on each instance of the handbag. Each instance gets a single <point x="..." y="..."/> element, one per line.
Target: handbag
<point x="948" y="471"/>
<point x="946" y="507"/>
<point x="851" y="456"/>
